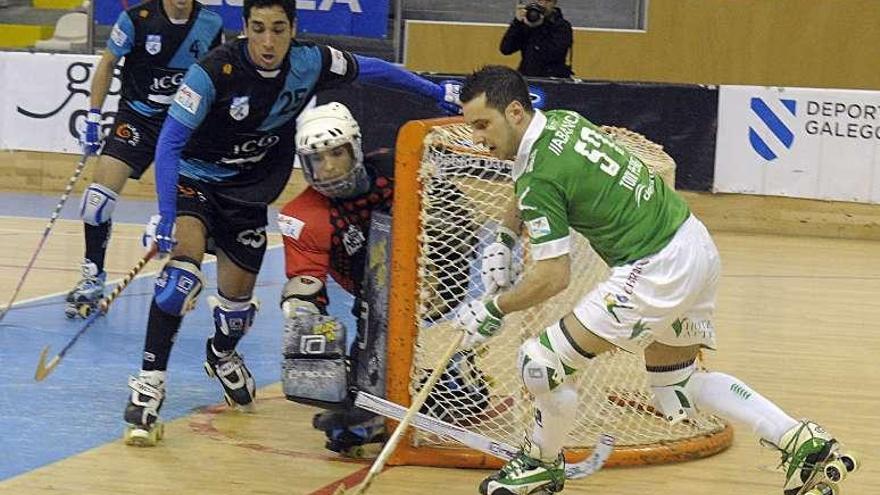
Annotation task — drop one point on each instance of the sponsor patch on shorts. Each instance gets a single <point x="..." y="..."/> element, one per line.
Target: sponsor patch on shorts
<point x="538" y="227"/>
<point x="290" y="226"/>
<point x="188" y="99"/>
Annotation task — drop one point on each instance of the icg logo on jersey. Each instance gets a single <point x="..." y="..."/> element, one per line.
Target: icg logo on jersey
<point x="774" y="128"/>
<point x="252" y="150"/>
<point x="166" y="84"/>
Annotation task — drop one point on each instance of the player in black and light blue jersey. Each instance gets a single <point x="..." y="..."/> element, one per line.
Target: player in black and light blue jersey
<point x="225" y="152"/>
<point x="159" y="40"/>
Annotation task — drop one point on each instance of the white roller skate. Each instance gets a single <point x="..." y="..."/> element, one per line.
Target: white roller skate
<point x="814" y="461"/>
<point x="526" y="474"/>
<point x="84" y="297"/>
<point x="142" y="411"/>
<point x="239" y="388"/>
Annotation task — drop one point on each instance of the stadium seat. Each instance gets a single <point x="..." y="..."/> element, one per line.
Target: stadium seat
<point x="71" y="34"/>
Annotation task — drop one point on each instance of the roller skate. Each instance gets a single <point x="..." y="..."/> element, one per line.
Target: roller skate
<point x="239" y="388"/>
<point x="814" y="461"/>
<point x="84" y="297"/>
<point x="142" y="411"/>
<point x="527" y="474"/>
<point x="359" y="441"/>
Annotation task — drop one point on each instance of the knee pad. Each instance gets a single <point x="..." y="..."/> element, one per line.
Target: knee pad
<point x="233" y="318"/>
<point x="540" y="367"/>
<point x="314" y="370"/>
<point x="304" y="294"/>
<point x="97" y="205"/>
<point x="672" y="395"/>
<point x="178" y="287"/>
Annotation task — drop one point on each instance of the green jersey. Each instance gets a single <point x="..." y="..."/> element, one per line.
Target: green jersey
<point x="569" y="174"/>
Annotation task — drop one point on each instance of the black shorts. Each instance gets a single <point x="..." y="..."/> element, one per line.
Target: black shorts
<point x="236" y="229"/>
<point x="133" y="139"/>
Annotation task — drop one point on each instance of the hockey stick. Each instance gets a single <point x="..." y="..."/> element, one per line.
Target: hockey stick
<point x="70" y="183"/>
<point x="44" y="369"/>
<point x="417" y="404"/>
<point x="484" y="444"/>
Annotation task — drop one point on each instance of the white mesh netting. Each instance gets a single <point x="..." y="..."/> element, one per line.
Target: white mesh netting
<point x="464" y="192"/>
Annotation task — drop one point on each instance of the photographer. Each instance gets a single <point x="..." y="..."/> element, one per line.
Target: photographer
<point x="543" y="36"/>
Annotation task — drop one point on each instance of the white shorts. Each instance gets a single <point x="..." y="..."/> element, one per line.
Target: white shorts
<point x="668" y="297"/>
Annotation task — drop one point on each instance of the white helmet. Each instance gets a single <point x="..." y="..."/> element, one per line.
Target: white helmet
<point x="326" y="127"/>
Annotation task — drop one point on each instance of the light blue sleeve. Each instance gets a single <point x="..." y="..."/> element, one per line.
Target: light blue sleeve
<point x="194" y="98"/>
<point x="121" y="39"/>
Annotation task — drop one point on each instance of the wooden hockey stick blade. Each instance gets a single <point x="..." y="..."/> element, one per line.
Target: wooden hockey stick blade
<point x="482" y="443"/>
<point x="44" y="369"/>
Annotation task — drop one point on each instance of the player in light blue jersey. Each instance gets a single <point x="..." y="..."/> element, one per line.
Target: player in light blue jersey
<point x="225" y="152"/>
<point x="159" y="40"/>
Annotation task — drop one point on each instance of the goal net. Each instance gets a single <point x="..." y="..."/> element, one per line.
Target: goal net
<point x="449" y="194"/>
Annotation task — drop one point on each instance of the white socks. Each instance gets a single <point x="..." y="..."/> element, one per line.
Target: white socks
<point x="554" y="417"/>
<point x="726" y="396"/>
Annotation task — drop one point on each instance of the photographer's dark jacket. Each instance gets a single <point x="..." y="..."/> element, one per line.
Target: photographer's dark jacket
<point x="544" y="48"/>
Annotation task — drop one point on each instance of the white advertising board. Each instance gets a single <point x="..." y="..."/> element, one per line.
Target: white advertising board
<point x="45" y="99"/>
<point x="806" y="143"/>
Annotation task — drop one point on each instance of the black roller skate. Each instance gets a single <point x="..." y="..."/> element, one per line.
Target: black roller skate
<point x="359" y="441"/>
<point x="239" y="388"/>
<point x="84" y="297"/>
<point x="142" y="411"/>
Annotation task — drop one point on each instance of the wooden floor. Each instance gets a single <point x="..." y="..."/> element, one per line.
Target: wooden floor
<point x="797" y="318"/>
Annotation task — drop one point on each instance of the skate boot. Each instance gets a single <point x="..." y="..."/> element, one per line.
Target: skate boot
<point x="142" y="411"/>
<point x="813" y="459"/>
<point x="84" y="297"/>
<point x="360" y="441"/>
<point x="527" y="474"/>
<point x="239" y="388"/>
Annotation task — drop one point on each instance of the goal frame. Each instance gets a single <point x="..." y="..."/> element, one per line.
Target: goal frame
<point x="402" y="328"/>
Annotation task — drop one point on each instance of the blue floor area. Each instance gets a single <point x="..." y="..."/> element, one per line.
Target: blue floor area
<point x="79" y="406"/>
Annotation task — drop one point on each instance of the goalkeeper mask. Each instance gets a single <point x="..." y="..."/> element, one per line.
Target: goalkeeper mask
<point x="328" y="143"/>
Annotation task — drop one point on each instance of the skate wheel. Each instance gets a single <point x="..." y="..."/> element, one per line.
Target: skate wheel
<point x="70" y="312"/>
<point x="142" y="437"/>
<point x="835" y="471"/>
<point x="84" y="311"/>
<point x="850" y="460"/>
<point x="355" y="452"/>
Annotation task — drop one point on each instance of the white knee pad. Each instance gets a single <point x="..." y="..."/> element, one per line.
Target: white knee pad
<point x="97" y="205"/>
<point x="673" y="393"/>
<point x="540" y="368"/>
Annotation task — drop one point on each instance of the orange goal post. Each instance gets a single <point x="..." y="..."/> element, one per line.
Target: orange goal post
<point x="449" y="194"/>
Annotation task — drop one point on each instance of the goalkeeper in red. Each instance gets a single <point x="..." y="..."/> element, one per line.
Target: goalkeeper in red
<point x="572" y="179"/>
